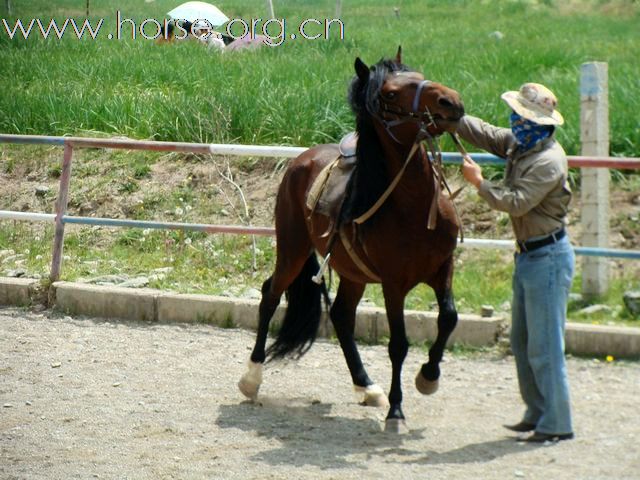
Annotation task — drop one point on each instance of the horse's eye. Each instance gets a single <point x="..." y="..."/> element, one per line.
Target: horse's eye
<point x="390" y="95"/>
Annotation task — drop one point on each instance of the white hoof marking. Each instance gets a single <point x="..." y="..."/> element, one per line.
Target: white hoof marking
<point x="373" y="396"/>
<point x="249" y="383"/>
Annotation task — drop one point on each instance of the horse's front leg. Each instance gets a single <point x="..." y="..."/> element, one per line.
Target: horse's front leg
<point x="427" y="378"/>
<point x="398" y="348"/>
<point x="343" y="317"/>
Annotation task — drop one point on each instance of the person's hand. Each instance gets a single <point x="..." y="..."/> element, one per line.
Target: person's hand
<point x="471" y="171"/>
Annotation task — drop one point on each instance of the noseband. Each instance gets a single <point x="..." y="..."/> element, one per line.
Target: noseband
<point x="423" y="118"/>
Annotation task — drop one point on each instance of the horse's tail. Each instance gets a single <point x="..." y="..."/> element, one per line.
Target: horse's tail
<point x="302" y="317"/>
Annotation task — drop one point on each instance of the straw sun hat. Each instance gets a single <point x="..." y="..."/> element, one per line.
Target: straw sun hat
<point x="535" y="102"/>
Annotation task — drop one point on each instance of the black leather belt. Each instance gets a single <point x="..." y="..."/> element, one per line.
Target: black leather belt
<point x="543" y="242"/>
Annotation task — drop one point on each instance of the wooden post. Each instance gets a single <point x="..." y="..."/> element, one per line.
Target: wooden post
<point x="61" y="210"/>
<point x="87" y="8"/>
<point x="594" y="135"/>
<point x="7" y="3"/>
<point x="270" y="9"/>
<point x="338" y="8"/>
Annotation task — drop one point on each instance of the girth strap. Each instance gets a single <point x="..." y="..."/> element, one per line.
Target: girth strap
<point x="354" y="256"/>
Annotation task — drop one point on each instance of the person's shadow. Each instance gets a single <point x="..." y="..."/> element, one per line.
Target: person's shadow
<point x="306" y="434"/>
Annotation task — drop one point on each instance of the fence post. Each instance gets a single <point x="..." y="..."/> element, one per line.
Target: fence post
<point x="61" y="210"/>
<point x="594" y="135"/>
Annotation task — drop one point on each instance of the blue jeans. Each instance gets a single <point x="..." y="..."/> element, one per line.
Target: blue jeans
<point x="541" y="284"/>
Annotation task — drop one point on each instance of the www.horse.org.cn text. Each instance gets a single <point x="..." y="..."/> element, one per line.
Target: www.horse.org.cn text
<point x="274" y="32"/>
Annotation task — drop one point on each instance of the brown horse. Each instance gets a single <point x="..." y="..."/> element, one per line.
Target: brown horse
<point x="397" y="246"/>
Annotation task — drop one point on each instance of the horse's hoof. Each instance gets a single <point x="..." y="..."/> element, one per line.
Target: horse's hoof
<point x="374" y="396"/>
<point x="249" y="383"/>
<point x="396" y="426"/>
<point x="424" y="386"/>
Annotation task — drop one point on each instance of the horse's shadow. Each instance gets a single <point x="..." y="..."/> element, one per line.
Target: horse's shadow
<point x="307" y="434"/>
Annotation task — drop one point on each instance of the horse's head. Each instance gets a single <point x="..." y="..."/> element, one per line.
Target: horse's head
<point x="403" y="101"/>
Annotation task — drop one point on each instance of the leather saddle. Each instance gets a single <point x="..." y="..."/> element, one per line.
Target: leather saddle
<point x="328" y="189"/>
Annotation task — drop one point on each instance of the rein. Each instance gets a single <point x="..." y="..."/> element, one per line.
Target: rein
<point x="434" y="156"/>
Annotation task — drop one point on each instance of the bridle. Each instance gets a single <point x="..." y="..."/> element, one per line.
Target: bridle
<point x="424" y="119"/>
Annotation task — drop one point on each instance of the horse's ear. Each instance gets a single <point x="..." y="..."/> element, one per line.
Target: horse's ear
<point x="399" y="55"/>
<point x="361" y="70"/>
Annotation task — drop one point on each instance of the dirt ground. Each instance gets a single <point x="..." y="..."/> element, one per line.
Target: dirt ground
<point x="85" y="398"/>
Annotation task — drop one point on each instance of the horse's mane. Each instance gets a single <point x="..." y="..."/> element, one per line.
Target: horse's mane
<point x="370" y="178"/>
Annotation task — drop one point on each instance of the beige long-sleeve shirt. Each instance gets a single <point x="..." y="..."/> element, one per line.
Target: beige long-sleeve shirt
<point x="535" y="192"/>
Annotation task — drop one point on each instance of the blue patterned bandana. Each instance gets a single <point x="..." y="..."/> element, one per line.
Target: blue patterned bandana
<point x="528" y="133"/>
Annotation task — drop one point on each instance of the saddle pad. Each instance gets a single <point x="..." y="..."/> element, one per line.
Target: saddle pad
<point x="328" y="189"/>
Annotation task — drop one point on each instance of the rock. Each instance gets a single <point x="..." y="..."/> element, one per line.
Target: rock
<point x="107" y="279"/>
<point x="42" y="190"/>
<point x="163" y="270"/>
<point x="576" y="298"/>
<point x="6" y="253"/>
<point x="497" y="35"/>
<point x="505" y="307"/>
<point x="590" y="310"/>
<point x="137" y="282"/>
<point x="17" y="273"/>
<point x="252" y="293"/>
<point x="486" y="311"/>
<point x="13" y="258"/>
<point x="632" y="302"/>
<point x="56" y="365"/>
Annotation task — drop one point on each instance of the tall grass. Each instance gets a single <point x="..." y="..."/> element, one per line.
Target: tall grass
<point x="295" y="93"/>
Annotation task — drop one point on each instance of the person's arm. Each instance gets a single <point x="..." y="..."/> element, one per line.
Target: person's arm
<point x="495" y="140"/>
<point x="524" y="193"/>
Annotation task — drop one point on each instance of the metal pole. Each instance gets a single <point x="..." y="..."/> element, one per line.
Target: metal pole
<point x="270" y="9"/>
<point x="7" y="3"/>
<point x="61" y="210"/>
<point x="594" y="136"/>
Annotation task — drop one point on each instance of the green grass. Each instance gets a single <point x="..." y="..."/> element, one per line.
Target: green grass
<point x="295" y="93"/>
<point x="222" y="265"/>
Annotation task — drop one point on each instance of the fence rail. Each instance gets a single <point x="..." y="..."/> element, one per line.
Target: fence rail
<point x="69" y="143"/>
<point x="575" y="161"/>
<point x="268" y="231"/>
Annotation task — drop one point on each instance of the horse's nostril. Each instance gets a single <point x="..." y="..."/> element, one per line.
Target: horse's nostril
<point x="445" y="102"/>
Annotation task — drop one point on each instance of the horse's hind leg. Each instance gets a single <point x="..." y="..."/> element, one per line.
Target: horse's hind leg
<point x="427" y="378"/>
<point x="250" y="382"/>
<point x="343" y="317"/>
<point x="293" y="250"/>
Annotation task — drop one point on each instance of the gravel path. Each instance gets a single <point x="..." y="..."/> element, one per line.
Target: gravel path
<point x="83" y="398"/>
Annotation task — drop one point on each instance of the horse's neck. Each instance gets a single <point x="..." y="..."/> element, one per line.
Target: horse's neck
<point x="416" y="182"/>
